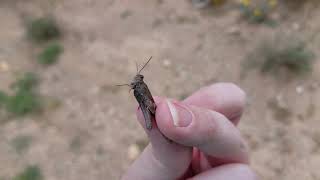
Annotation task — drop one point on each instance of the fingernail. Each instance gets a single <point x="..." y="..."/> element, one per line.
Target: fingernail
<point x="181" y="116"/>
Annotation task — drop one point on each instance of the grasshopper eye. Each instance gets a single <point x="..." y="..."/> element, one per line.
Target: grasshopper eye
<point x="140" y="76"/>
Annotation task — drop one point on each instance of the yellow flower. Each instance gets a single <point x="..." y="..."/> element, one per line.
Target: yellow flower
<point x="273" y="3"/>
<point x="217" y="2"/>
<point x="245" y="2"/>
<point x="257" y="12"/>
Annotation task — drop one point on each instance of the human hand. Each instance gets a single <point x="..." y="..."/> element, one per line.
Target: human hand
<point x="206" y="143"/>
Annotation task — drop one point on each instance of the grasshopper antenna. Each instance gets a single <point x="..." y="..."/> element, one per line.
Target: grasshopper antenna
<point x="123" y="85"/>
<point x="137" y="68"/>
<point x="126" y="85"/>
<point x="145" y="65"/>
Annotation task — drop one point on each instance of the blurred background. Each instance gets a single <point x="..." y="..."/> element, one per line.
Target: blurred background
<point x="61" y="117"/>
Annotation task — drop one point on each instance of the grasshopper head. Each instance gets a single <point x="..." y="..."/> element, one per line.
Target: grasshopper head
<point x="138" y="78"/>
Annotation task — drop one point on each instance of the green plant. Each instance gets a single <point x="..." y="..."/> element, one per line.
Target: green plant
<point x="43" y="29"/>
<point x="3" y="98"/>
<point x="29" y="173"/>
<point x="26" y="82"/>
<point x="282" y="54"/>
<point x="50" y="54"/>
<point x="24" y="100"/>
<point x="295" y="58"/>
<point x="21" y="143"/>
<point x="258" y="12"/>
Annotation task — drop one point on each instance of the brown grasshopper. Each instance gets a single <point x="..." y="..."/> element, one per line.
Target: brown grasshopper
<point x="143" y="96"/>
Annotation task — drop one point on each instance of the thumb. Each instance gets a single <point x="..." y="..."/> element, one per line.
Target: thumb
<point x="208" y="130"/>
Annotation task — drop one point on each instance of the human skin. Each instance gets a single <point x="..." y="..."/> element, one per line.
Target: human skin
<point x="205" y="143"/>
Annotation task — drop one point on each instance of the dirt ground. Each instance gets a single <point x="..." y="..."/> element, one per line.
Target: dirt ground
<point x="93" y="132"/>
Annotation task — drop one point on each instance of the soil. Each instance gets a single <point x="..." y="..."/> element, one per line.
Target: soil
<point x="89" y="130"/>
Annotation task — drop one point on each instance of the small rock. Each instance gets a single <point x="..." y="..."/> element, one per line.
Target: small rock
<point x="299" y="89"/>
<point x="133" y="151"/>
<point x="4" y="66"/>
<point x="234" y="30"/>
<point x="296" y="26"/>
<point x="280" y="102"/>
<point x="166" y="63"/>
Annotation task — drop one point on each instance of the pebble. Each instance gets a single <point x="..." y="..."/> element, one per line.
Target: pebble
<point x="166" y="63"/>
<point x="133" y="151"/>
<point x="299" y="89"/>
<point x="280" y="102"/>
<point x="296" y="26"/>
<point x="234" y="30"/>
<point x="4" y="66"/>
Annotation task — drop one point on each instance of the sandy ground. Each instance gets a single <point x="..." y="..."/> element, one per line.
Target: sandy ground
<point x="89" y="134"/>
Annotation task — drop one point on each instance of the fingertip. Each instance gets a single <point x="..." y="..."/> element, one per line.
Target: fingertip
<point x="225" y="98"/>
<point x="233" y="90"/>
<point x="163" y="115"/>
<point x="165" y="122"/>
<point x="179" y="121"/>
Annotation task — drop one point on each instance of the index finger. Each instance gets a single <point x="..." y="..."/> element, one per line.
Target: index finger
<point x="225" y="98"/>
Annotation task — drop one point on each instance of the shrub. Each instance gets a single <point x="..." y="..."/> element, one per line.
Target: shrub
<point x="29" y="173"/>
<point x="24" y="100"/>
<point x="43" y="29"/>
<point x="50" y="54"/>
<point x="284" y="54"/>
<point x="294" y="58"/>
<point x="3" y="98"/>
<point x="26" y="82"/>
